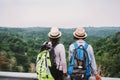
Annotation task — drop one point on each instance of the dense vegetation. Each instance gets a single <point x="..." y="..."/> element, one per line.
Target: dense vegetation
<point x="108" y="55"/>
<point x="19" y="47"/>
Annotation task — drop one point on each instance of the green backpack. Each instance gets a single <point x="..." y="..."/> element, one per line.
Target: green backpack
<point x="42" y="66"/>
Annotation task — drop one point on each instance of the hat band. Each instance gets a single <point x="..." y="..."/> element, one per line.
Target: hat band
<point x="55" y="35"/>
<point x="80" y="35"/>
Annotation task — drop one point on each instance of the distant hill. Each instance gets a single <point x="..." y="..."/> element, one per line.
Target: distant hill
<point x="97" y="32"/>
<point x="40" y="34"/>
<point x="19" y="47"/>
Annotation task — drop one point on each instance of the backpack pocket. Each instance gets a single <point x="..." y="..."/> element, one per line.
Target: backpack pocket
<point x="71" y="66"/>
<point x="70" y="69"/>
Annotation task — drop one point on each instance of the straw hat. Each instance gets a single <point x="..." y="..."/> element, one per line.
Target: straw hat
<point x="80" y="33"/>
<point x="54" y="33"/>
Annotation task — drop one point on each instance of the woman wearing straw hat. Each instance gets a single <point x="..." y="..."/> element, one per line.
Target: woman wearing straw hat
<point x="79" y="35"/>
<point x="57" y="55"/>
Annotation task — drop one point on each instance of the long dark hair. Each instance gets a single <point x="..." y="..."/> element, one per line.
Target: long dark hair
<point x="54" y="41"/>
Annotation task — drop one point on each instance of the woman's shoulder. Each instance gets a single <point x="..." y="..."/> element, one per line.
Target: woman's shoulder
<point x="60" y="44"/>
<point x="59" y="47"/>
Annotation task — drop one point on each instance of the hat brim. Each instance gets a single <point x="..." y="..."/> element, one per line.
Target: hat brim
<point x="79" y="37"/>
<point x="50" y="36"/>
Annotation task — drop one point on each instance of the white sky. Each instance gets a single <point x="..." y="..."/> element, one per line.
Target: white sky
<point x="59" y="13"/>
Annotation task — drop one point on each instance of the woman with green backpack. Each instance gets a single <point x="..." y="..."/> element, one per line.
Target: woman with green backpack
<point x="51" y="61"/>
<point x="57" y="55"/>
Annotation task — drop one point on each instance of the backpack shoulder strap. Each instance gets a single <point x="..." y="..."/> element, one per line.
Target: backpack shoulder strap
<point x="85" y="46"/>
<point x="85" y="49"/>
<point x="53" y="55"/>
<point x="76" y="45"/>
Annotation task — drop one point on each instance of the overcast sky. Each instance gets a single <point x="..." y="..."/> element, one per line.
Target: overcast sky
<point x="59" y="13"/>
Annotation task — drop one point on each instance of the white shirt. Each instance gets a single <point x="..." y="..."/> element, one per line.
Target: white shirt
<point x="60" y="57"/>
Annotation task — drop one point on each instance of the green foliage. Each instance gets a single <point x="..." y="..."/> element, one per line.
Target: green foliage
<point x="19" y="47"/>
<point x="23" y="60"/>
<point x="108" y="55"/>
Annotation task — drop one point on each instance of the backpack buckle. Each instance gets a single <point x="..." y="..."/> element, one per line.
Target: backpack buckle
<point x="80" y="67"/>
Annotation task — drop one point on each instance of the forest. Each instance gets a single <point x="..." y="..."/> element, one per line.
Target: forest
<point x="19" y="47"/>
